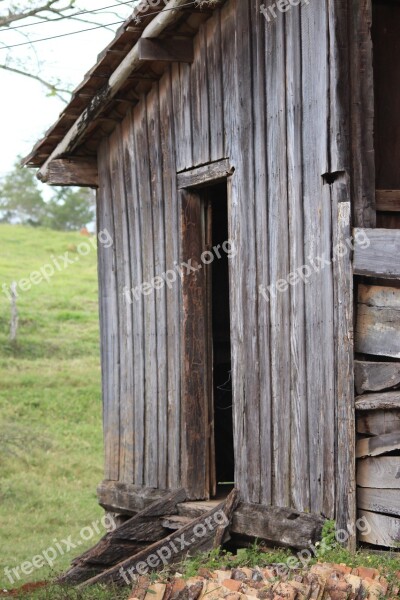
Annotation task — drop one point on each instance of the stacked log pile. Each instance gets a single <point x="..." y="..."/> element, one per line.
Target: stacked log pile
<point x="377" y="378"/>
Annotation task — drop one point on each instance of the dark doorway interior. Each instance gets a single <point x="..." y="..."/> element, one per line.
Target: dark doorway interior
<point x="221" y="340"/>
<point x="386" y="51"/>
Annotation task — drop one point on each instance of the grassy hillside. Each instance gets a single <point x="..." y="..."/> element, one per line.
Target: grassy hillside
<point x="50" y="406"/>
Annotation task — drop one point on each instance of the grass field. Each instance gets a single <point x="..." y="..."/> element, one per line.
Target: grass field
<point x="50" y="406"/>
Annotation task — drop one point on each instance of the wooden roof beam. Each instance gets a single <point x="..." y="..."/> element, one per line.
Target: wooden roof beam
<point x="78" y="171"/>
<point x="130" y="63"/>
<point x="166" y="50"/>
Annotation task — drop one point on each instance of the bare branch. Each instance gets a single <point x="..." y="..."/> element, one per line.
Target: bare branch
<point x="53" y="88"/>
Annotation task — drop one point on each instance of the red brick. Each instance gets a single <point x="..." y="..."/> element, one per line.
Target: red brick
<point x="365" y="572"/>
<point x="232" y="584"/>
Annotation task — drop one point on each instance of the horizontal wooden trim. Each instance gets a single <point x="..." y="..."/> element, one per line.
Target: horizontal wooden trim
<point x="167" y="50"/>
<point x="379" y="473"/>
<point x="381" y="257"/>
<point x="381" y="501"/>
<point x="388" y="200"/>
<point x="384" y="401"/>
<point x="205" y="175"/>
<point x="126" y="498"/>
<point x="72" y="171"/>
<point x="375" y="376"/>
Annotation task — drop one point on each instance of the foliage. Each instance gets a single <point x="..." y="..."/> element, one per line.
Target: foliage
<point x="20" y="197"/>
<point x="70" y="209"/>
<point x="21" y="201"/>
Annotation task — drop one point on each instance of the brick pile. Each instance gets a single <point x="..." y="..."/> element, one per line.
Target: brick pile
<point x="322" y="581"/>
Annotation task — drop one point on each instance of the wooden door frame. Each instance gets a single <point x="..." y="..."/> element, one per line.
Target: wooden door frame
<point x="196" y="425"/>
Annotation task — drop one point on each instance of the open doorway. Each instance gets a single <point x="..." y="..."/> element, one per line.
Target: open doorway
<point x="218" y="282"/>
<point x="386" y="51"/>
<point x="207" y="395"/>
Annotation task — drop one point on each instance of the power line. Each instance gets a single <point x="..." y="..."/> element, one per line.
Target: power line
<point x="61" y="35"/>
<point x="56" y="19"/>
<point x="54" y="37"/>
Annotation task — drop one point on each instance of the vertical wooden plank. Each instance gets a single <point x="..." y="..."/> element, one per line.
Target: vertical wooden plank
<point x="279" y="258"/>
<point x="245" y="214"/>
<point x="182" y="115"/>
<point x="108" y="320"/>
<point x="299" y="459"/>
<point x="344" y="365"/>
<point x="195" y="443"/>
<point x="199" y="100"/>
<point x="173" y="291"/>
<point x="215" y="91"/>
<point x="157" y="201"/>
<point x="260" y="193"/>
<point x="362" y="114"/>
<point x="133" y="212"/>
<point x="317" y="246"/>
<point x="339" y="148"/>
<point x="123" y="277"/>
<point x="236" y="269"/>
<point x="150" y="325"/>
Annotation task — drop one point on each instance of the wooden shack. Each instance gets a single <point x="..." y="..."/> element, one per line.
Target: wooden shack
<point x="274" y="141"/>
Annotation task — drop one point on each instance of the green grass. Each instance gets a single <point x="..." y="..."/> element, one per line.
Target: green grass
<point x="51" y="453"/>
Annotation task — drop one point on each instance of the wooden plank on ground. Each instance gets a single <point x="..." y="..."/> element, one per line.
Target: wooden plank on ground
<point x="131" y="537"/>
<point x="380" y="473"/>
<point x="281" y="526"/>
<point x="197" y="535"/>
<point x="383" y="401"/>
<point x="386" y="501"/>
<point x="376" y="376"/>
<point x="378" y="422"/>
<point x="385" y="530"/>
<point x="378" y="321"/>
<point x="377" y="445"/>
<point x="380" y="258"/>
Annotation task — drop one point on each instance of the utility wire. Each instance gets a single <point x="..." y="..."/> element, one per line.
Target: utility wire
<point x="61" y="35"/>
<point x="61" y="18"/>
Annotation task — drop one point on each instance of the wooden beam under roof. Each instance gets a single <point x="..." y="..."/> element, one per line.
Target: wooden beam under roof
<point x="78" y="171"/>
<point x="169" y="50"/>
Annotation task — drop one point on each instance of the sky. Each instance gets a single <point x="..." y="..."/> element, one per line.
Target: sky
<point x="26" y="110"/>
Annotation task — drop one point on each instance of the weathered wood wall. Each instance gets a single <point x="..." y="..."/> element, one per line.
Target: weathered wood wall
<point x="260" y="94"/>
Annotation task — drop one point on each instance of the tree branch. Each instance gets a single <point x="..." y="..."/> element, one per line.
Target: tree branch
<point x="53" y="88"/>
